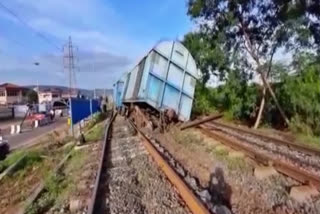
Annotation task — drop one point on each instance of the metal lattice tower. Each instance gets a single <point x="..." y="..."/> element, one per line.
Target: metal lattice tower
<point x="69" y="65"/>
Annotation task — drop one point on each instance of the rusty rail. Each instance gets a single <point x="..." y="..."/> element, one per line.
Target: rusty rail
<point x="199" y="122"/>
<point x="194" y="204"/>
<point x="302" y="176"/>
<point x="92" y="204"/>
<point x="299" y="147"/>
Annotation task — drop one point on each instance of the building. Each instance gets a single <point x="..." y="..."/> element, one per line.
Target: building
<point x="49" y="96"/>
<point x="73" y="94"/>
<point x="12" y="94"/>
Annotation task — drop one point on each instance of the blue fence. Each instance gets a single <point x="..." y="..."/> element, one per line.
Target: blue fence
<point x="81" y="109"/>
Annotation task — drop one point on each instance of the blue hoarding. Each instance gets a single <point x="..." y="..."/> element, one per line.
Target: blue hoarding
<point x="81" y="109"/>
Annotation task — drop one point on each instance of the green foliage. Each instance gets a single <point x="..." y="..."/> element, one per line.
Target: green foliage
<point x="235" y="97"/>
<point x="95" y="133"/>
<point x="187" y="138"/>
<point x="54" y="185"/>
<point x="300" y="95"/>
<point x="238" y="97"/>
<point x="203" y="104"/>
<point x="32" y="97"/>
<point x="208" y="54"/>
<point x="238" y="38"/>
<point x="30" y="159"/>
<point x="97" y="118"/>
<point x="11" y="159"/>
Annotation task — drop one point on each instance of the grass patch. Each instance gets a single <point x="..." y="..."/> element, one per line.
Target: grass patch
<point x="58" y="187"/>
<point x="233" y="163"/>
<point x="77" y="160"/>
<point x="187" y="138"/>
<point x="11" y="159"/>
<point x="30" y="159"/>
<point x="309" y="140"/>
<point x="236" y="164"/>
<point x="68" y="147"/>
<point x="220" y="154"/>
<point x="54" y="186"/>
<point x="97" y="118"/>
<point x="96" y="133"/>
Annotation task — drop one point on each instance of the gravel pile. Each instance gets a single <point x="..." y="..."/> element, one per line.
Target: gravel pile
<point x="133" y="183"/>
<point x="310" y="163"/>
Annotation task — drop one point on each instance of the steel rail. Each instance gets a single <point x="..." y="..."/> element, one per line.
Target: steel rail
<point x="299" y="147"/>
<point x="199" y="122"/>
<point x="302" y="176"/>
<point x="92" y="205"/>
<point x="194" y="204"/>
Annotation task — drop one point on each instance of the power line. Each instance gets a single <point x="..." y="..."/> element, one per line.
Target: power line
<point x="39" y="34"/>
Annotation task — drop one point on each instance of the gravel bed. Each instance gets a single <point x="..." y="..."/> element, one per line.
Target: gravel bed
<point x="307" y="162"/>
<point x="212" y="195"/>
<point x="247" y="194"/>
<point x="133" y="183"/>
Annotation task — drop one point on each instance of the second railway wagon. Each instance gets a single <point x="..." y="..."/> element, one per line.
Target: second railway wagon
<point x="164" y="79"/>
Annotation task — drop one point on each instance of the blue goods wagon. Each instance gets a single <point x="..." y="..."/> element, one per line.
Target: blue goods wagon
<point x="164" y="79"/>
<point x="118" y="92"/>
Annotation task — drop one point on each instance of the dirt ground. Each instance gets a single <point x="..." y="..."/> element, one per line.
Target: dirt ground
<point x="203" y="157"/>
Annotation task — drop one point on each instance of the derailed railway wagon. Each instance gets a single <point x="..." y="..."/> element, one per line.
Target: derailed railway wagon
<point x="164" y="79"/>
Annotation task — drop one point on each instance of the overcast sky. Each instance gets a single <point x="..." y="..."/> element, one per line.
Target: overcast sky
<point x="111" y="36"/>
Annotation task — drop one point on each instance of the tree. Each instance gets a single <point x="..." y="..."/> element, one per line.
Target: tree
<point x="299" y="92"/>
<point x="32" y="97"/>
<point x="208" y="54"/>
<point x="255" y="29"/>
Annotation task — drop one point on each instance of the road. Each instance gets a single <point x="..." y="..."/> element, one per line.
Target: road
<point x="16" y="141"/>
<point x="8" y="123"/>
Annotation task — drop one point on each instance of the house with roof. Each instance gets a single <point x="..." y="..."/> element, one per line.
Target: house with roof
<point x="49" y="96"/>
<point x="12" y="94"/>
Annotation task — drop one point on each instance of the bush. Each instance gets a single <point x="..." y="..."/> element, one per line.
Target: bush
<point x="299" y="95"/>
<point x="236" y="98"/>
<point x="202" y="104"/>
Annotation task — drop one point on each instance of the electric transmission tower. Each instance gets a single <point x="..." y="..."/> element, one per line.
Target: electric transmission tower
<point x="69" y="65"/>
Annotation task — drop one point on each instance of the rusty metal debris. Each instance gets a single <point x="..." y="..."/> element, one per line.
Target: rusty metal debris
<point x="201" y="121"/>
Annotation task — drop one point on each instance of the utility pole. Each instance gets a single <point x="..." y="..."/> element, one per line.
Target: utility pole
<point x="69" y="65"/>
<point x="37" y="64"/>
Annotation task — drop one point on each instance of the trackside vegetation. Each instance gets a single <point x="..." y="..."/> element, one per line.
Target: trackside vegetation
<point x="265" y="57"/>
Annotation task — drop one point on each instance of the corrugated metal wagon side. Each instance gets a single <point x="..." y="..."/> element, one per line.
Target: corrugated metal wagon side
<point x="164" y="79"/>
<point x="118" y="92"/>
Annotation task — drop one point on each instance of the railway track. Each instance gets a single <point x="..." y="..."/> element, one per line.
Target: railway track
<point x="129" y="181"/>
<point x="296" y="161"/>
